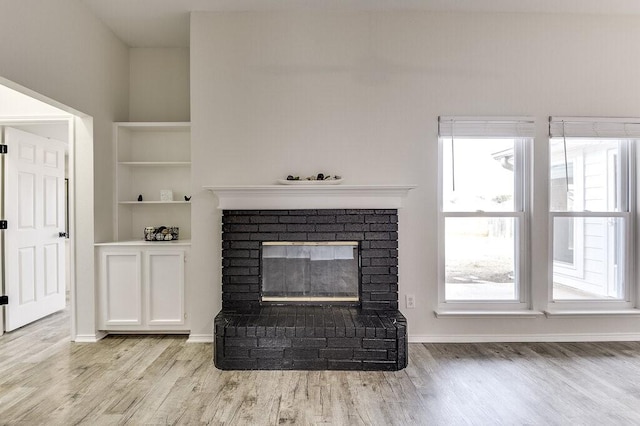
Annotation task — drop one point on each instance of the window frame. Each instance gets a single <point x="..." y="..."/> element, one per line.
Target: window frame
<point x="607" y="128"/>
<point x="523" y="150"/>
<point x="626" y="212"/>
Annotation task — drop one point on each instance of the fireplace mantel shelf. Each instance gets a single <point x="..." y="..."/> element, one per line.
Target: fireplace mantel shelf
<point x="270" y="197"/>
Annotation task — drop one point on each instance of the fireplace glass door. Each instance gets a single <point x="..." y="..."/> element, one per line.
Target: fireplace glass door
<point x="310" y="271"/>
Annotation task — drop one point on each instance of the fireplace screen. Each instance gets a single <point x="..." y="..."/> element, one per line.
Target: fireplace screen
<point x="310" y="271"/>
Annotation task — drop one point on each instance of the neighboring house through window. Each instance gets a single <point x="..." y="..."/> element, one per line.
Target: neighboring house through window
<point x="590" y="211"/>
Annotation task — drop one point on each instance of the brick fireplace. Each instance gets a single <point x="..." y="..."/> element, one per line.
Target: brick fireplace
<point x="368" y="333"/>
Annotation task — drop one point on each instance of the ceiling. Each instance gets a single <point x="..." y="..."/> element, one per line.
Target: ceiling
<point x="165" y="23"/>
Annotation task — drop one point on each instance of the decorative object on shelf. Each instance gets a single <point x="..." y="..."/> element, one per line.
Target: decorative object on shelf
<point x="140" y="197"/>
<point x="161" y="233"/>
<point x="166" y="195"/>
<point x="320" y="178"/>
<point x="187" y="198"/>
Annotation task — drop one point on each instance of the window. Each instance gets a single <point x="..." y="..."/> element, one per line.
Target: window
<point x="483" y="204"/>
<point x="590" y="209"/>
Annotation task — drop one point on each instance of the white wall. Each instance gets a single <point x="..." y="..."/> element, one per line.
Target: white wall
<point x="60" y="50"/>
<point x="159" y="84"/>
<point x="358" y="94"/>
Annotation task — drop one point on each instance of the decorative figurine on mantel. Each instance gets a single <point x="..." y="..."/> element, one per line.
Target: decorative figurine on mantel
<point x="319" y="176"/>
<point x="140" y="197"/>
<point x="187" y="198"/>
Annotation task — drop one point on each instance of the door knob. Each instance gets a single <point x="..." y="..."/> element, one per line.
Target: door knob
<point x="63" y="235"/>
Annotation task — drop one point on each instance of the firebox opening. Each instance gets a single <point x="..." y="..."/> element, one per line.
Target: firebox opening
<point x="310" y="271"/>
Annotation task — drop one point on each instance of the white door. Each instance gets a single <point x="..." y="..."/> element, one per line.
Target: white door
<point x="34" y="209"/>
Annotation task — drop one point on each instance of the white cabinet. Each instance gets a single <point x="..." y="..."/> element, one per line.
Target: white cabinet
<point x="150" y="158"/>
<point x="142" y="286"/>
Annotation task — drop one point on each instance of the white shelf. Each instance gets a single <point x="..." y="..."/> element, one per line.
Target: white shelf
<point x="154" y="126"/>
<point x="150" y="157"/>
<point x="146" y="243"/>
<point x="155" y="163"/>
<point x="154" y="202"/>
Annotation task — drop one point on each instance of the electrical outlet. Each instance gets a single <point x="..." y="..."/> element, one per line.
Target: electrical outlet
<point x="410" y="301"/>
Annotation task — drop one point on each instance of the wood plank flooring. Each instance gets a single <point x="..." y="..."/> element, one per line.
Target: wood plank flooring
<point x="141" y="380"/>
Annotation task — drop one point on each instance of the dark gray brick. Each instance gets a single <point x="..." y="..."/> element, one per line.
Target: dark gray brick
<point x="301" y="353"/>
<point x="321" y="236"/>
<point x="264" y="236"/>
<point x="377" y="236"/>
<point x="344" y="342"/>
<point x="292" y="236"/>
<point x="235" y="253"/>
<point x="350" y="236"/>
<point x="336" y="353"/>
<point x="235" y="352"/>
<point x="242" y="342"/>
<point x="266" y="353"/>
<point x="244" y="244"/>
<point x="264" y="219"/>
<point x="317" y="342"/>
<point x="271" y="227"/>
<point x="350" y="218"/>
<point x="321" y="219"/>
<point x="375" y="270"/>
<point x="330" y="227"/>
<point x="384" y="261"/>
<point x="383" y="227"/>
<point x="236" y="219"/>
<point x="356" y="227"/>
<point x="380" y="354"/>
<point x="233" y="227"/>
<point x="379" y="343"/>
<point x="292" y="219"/>
<point x="274" y="342"/>
<point x="379" y="279"/>
<point x="301" y="228"/>
<point x="331" y="212"/>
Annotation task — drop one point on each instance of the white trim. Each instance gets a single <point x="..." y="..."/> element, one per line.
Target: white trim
<point x="444" y="313"/>
<point x="200" y="338"/>
<point x="282" y="197"/>
<point x="590" y="313"/>
<point x="90" y="338"/>
<point x="517" y="338"/>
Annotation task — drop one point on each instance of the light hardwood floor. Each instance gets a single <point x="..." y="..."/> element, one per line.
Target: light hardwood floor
<point x="45" y="379"/>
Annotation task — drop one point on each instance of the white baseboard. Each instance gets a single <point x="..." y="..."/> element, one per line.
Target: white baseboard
<point x="505" y="338"/>
<point x="90" y="338"/>
<point x="200" y="338"/>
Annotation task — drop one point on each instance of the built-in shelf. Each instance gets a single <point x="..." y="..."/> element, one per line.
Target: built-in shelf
<point x="310" y="196"/>
<point x="150" y="158"/>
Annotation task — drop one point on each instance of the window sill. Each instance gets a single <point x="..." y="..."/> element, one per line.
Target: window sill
<point x="593" y="313"/>
<point x="442" y="313"/>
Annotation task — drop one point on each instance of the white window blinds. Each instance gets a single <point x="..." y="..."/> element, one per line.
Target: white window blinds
<point x="594" y="127"/>
<point x="486" y="127"/>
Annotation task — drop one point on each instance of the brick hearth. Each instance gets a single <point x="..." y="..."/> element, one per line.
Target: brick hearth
<point x="254" y="335"/>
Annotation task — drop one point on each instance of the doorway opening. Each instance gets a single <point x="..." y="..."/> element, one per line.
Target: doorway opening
<point x="37" y="250"/>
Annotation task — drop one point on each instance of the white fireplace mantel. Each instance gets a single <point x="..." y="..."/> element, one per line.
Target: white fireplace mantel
<point x="289" y="197"/>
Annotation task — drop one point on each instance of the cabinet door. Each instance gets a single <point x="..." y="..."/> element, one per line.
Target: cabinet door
<point x="165" y="287"/>
<point x="121" y="288"/>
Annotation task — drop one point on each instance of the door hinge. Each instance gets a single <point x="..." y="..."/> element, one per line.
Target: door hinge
<point x="3" y="149"/>
<point x="4" y="300"/>
<point x="3" y="224"/>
